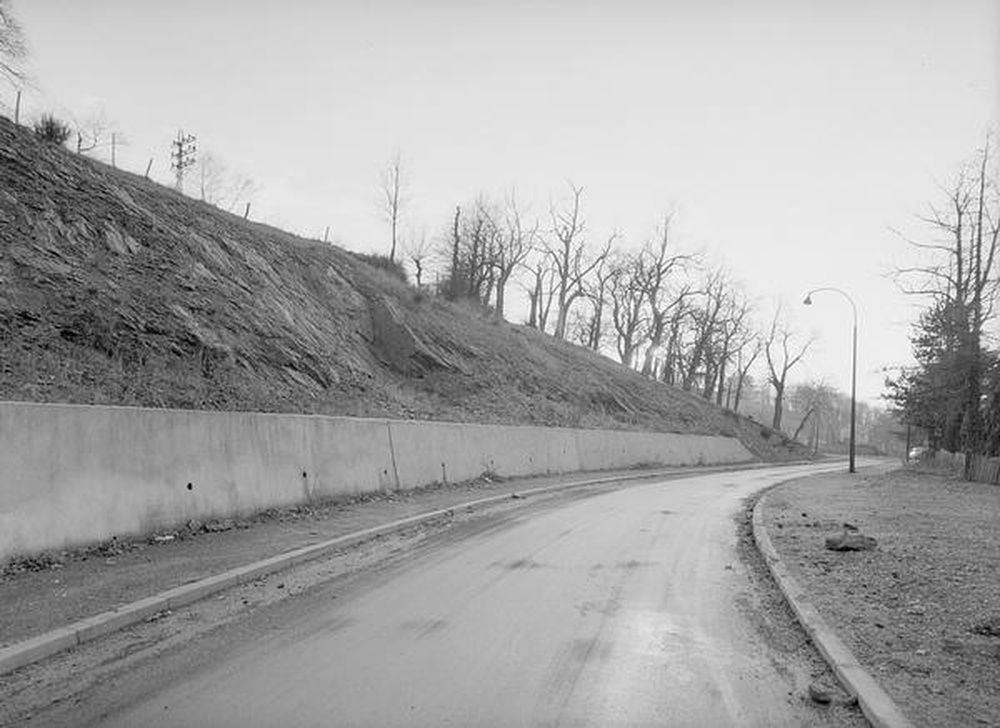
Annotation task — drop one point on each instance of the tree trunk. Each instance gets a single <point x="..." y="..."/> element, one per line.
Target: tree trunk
<point x="545" y="306"/>
<point x="560" y="329"/>
<point x="779" y="396"/>
<point x="454" y="283"/>
<point x="739" y="391"/>
<point x="655" y="340"/>
<point x="392" y="250"/>
<point x="501" y="293"/>
<point x="802" y="424"/>
<point x="720" y="392"/>
<point x="595" y="326"/>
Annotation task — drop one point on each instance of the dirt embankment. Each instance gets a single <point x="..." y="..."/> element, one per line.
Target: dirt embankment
<point x="116" y="290"/>
<point x="921" y="611"/>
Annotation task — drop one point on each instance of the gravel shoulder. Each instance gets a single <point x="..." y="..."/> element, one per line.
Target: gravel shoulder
<point x="921" y="611"/>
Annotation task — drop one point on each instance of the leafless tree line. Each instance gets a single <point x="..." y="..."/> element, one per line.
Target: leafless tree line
<point x="662" y="311"/>
<point x="819" y="416"/>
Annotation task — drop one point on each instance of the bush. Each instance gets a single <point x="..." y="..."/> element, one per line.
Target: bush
<point x="393" y="267"/>
<point x="51" y="130"/>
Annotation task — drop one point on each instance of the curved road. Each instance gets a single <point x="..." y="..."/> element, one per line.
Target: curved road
<point x="627" y="607"/>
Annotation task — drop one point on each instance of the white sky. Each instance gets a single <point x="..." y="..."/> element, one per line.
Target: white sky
<point x="789" y="136"/>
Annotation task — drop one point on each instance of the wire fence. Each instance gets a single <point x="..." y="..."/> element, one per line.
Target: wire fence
<point x="95" y="137"/>
<point x="100" y="139"/>
<point x="982" y="469"/>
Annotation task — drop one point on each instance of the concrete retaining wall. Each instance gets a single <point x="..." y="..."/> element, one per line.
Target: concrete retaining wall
<point x="73" y="474"/>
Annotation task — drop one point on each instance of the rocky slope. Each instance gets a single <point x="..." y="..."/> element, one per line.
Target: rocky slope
<point x="116" y="290"/>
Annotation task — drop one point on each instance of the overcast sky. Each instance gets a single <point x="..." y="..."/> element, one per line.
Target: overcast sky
<point x="787" y="136"/>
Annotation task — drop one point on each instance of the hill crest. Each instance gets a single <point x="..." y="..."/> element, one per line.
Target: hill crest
<point x="116" y="290"/>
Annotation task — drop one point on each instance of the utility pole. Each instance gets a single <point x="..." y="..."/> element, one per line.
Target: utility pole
<point x="182" y="156"/>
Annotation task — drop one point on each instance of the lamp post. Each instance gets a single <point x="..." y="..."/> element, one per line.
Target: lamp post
<point x="854" y="360"/>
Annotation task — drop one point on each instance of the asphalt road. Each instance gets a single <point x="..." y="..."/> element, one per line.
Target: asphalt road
<point x="627" y="607"/>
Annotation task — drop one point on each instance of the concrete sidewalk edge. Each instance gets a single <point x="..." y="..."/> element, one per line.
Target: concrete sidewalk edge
<point x="878" y="707"/>
<point x="45" y="645"/>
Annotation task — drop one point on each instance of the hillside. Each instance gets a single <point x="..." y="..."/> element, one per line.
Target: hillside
<point x="116" y="290"/>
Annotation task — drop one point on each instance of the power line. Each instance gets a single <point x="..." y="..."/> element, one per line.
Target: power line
<point x="182" y="156"/>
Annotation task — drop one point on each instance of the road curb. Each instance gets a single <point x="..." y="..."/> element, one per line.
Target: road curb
<point x="878" y="707"/>
<point x="45" y="645"/>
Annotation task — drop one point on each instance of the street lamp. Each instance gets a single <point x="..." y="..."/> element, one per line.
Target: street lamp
<point x="854" y="359"/>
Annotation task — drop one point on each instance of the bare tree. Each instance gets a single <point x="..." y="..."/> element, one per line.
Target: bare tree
<point x="97" y="132"/>
<point x="418" y="250"/>
<point x="13" y="47"/>
<point x="705" y="321"/>
<point x="472" y="249"/>
<point x="212" y="177"/>
<point x="513" y="241"/>
<point x="945" y="392"/>
<point x="455" y="248"/>
<point x="221" y="186"/>
<point x="731" y="333"/>
<point x="480" y="235"/>
<point x="663" y="301"/>
<point x="781" y="354"/>
<point x="628" y="296"/>
<point x="541" y="291"/>
<point x="812" y="400"/>
<point x="672" y="368"/>
<point x="747" y="347"/>
<point x="569" y="258"/>
<point x="392" y="198"/>
<point x="597" y="292"/>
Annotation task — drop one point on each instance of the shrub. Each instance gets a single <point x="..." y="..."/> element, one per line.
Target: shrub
<point x="393" y="267"/>
<point x="51" y="130"/>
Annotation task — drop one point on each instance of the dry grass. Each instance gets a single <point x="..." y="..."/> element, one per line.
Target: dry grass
<point x="922" y="611"/>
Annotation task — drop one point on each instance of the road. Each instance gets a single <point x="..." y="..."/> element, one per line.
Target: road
<point x="625" y="607"/>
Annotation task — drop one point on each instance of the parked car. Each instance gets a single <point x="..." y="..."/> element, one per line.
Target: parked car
<point x="916" y="452"/>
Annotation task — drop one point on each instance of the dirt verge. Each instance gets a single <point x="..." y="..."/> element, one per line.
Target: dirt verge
<point x="921" y="611"/>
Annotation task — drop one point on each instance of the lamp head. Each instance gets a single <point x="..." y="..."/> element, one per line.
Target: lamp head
<point x="808" y="301"/>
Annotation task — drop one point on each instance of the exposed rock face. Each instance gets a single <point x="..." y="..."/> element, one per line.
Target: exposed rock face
<point x="397" y="344"/>
<point x="116" y="290"/>
<point x="187" y="305"/>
